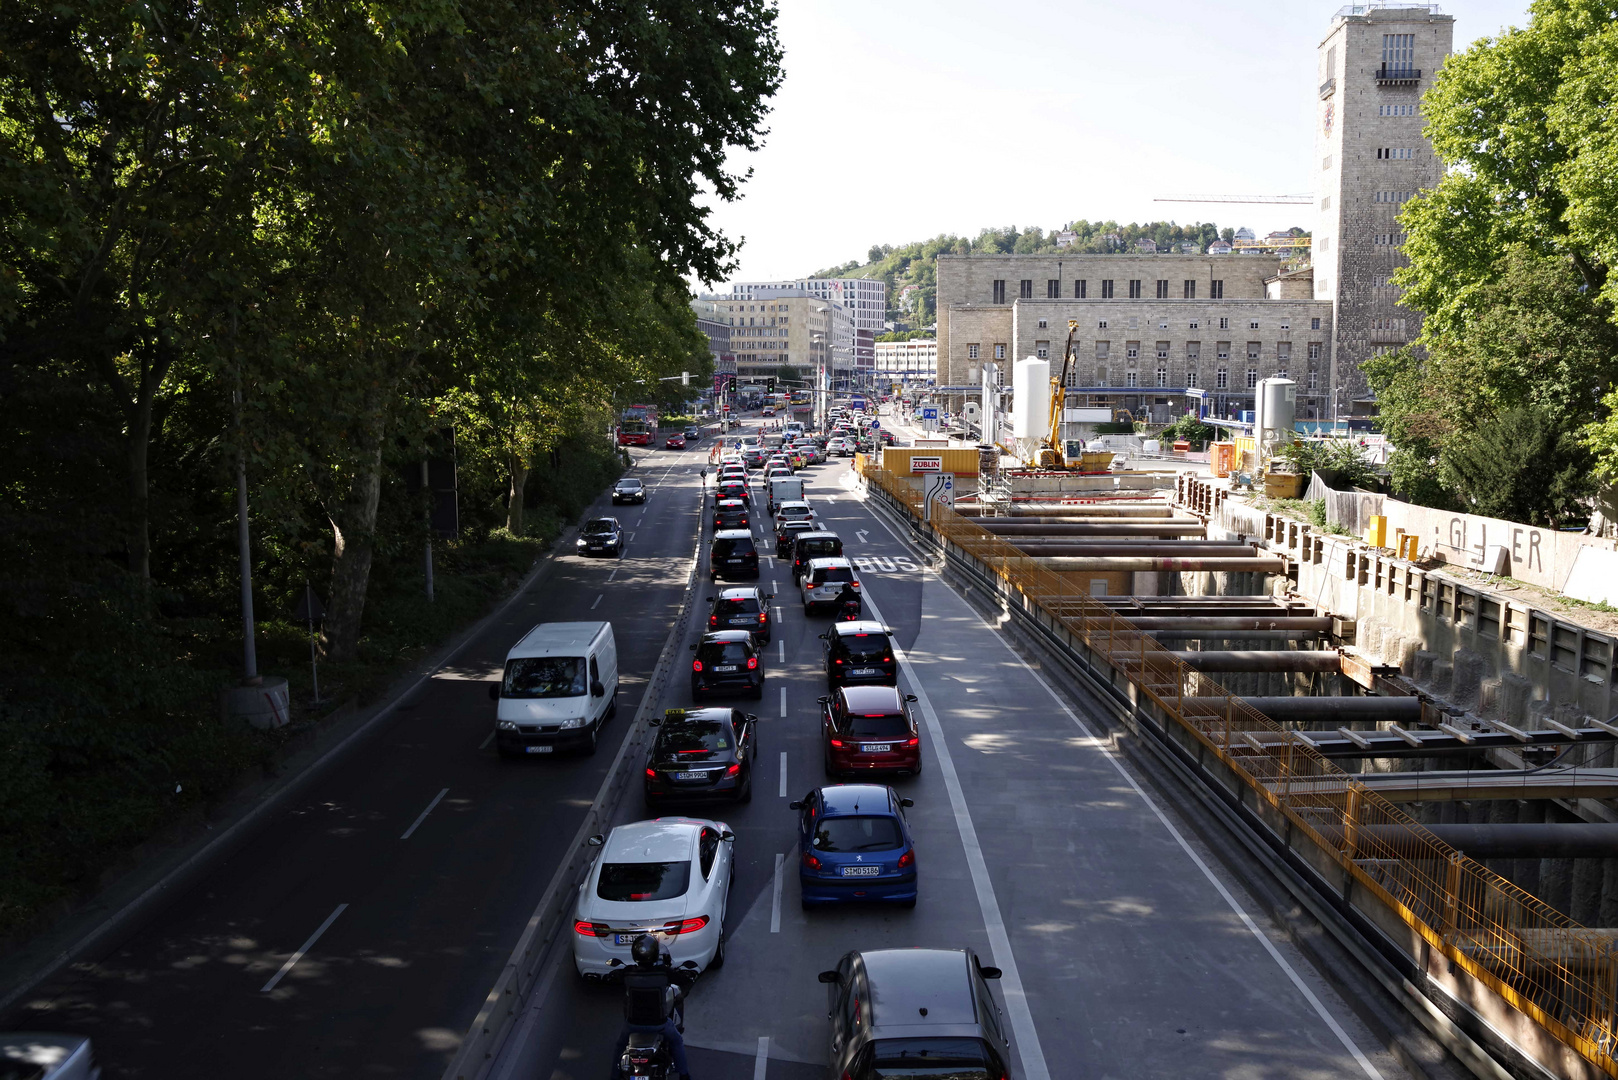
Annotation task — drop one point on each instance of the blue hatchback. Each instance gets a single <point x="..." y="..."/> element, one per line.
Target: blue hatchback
<point x="854" y="845"/>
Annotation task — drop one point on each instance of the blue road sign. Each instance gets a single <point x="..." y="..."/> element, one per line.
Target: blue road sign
<point x="929" y="412"/>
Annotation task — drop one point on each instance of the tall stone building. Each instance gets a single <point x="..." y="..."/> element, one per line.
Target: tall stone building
<point x="1375" y="62"/>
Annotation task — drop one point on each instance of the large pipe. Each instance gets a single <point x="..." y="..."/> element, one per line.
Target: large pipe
<point x="1210" y="623"/>
<point x="1331" y="709"/>
<point x="1091" y="510"/>
<point x="1116" y="526"/>
<point x="1236" y="635"/>
<point x="1159" y="548"/>
<point x="1115" y="563"/>
<point x="1571" y="840"/>
<point x="1305" y="660"/>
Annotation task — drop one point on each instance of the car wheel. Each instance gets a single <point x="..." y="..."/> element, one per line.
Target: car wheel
<point x="718" y="960"/>
<point x="589" y="747"/>
<point x="746" y="795"/>
<point x="758" y="692"/>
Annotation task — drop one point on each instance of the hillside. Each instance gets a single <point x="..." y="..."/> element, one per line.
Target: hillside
<point x="916" y="263"/>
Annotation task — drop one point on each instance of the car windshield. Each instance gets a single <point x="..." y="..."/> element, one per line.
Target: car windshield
<point x="724" y="652"/>
<point x="643" y="880"/>
<point x="695" y="740"/>
<point x="545" y="677"/>
<point x="599" y="525"/>
<point x="928" y="1059"/>
<point x="830" y="575"/>
<point x="866" y="647"/>
<point x="724" y="546"/>
<point x="628" y="485"/>
<point x="858" y="834"/>
<point x="736" y="605"/>
<point x="879" y="725"/>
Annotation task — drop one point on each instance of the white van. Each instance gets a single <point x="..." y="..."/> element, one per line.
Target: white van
<point x="785" y="489"/>
<point x="560" y="685"/>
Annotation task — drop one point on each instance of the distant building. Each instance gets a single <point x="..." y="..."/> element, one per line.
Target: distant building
<point x="1066" y="237"/>
<point x="1244" y="233"/>
<point x="716" y="326"/>
<point x="1146" y="246"/>
<point x="1219" y="247"/>
<point x="909" y="363"/>
<point x="796" y="329"/>
<point x="1188" y="247"/>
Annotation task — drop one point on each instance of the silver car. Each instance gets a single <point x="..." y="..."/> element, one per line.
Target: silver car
<point x="37" y="1056"/>
<point x="823" y="582"/>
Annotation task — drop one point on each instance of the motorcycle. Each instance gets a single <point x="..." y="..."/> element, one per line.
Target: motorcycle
<point x="646" y="1054"/>
<point x="850" y="611"/>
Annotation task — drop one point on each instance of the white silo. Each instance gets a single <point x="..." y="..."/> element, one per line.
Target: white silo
<point x="1030" y="405"/>
<point x="1275" y="410"/>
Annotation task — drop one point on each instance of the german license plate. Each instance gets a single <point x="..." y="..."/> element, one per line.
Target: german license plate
<point x="725" y="667"/>
<point x="875" y="747"/>
<point x="624" y="939"/>
<point x="861" y="871"/>
<point x="741" y="620"/>
<point x="733" y="560"/>
<point x="690" y="776"/>
<point x="538" y="749"/>
<point x="863" y="671"/>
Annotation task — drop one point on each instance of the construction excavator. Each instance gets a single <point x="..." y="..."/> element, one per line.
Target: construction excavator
<point x="1052" y="453"/>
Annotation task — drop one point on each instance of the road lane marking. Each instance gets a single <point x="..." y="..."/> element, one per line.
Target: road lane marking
<point x="614" y="572"/>
<point x="781" y="651"/>
<point x="306" y="946"/>
<point x="761" y="1061"/>
<point x="783" y="701"/>
<point x="1022" y="1017"/>
<point x="598" y="600"/>
<point x="775" y="905"/>
<point x="777" y="612"/>
<point x="861" y="534"/>
<point x="487" y="739"/>
<point x="423" y="816"/>
<point x="1219" y="886"/>
<point x="631" y="538"/>
<point x="783" y="774"/>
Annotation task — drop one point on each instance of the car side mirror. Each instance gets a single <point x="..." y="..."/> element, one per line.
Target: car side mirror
<point x="827" y="977"/>
<point x="910" y="697"/>
<point x="989" y="972"/>
<point x="693" y="648"/>
<point x="690" y="965"/>
<point x="795" y="805"/>
<point x="824" y="636"/>
<point x="769" y="596"/>
<point x="907" y="802"/>
<point x="824" y="700"/>
<point x="597" y="840"/>
<point x="654" y="721"/>
<point x="727" y="836"/>
<point x="597" y="690"/>
<point x="494" y="691"/>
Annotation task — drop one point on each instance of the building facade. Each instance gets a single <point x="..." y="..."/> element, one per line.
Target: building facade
<point x="907" y="363"/>
<point x="715" y="324"/>
<point x="1376" y="60"/>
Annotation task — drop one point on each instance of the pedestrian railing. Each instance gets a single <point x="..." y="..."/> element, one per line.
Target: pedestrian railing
<point x="1562" y="975"/>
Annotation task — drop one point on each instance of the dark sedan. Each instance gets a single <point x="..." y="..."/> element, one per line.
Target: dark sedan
<point x="701" y="754"/>
<point x="868" y="729"/>
<point x="741" y="607"/>
<point x="628" y="491"/>
<point x="727" y="660"/>
<point x="601" y="536"/>
<point x="730" y="514"/>
<point x="859" y="652"/>
<point x="693" y="433"/>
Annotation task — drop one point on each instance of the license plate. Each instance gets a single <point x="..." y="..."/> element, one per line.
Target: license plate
<point x="733" y="560"/>
<point x="861" y="871"/>
<point x="740" y="620"/>
<point x="863" y="671"/>
<point x="624" y="939"/>
<point x="725" y="667"/>
<point x="690" y="776"/>
<point x="875" y="747"/>
<point x="538" y="749"/>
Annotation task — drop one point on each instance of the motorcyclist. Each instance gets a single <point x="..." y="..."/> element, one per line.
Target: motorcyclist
<point x="653" y="1002"/>
<point x="848" y="600"/>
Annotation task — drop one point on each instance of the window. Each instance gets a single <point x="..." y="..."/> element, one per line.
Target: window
<point x="708" y="851"/>
<point x="1314" y="381"/>
<point x="1043" y="324"/>
<point x="1190" y="288"/>
<point x="1216" y="289"/>
<point x="1081" y="290"/>
<point x="1103" y="349"/>
<point x="1325" y="204"/>
<point x="999" y="292"/>
<point x="1395" y="153"/>
<point x="1224" y="323"/>
<point x="1131" y="379"/>
<point x="1398" y="53"/>
<point x="1042" y="349"/>
<point x="1252" y="324"/>
<point x="1134" y="289"/>
<point x="1286" y="324"/>
<point x="972" y="351"/>
<point x="1025" y="289"/>
<point x="1222" y="350"/>
<point x="1106" y="288"/>
<point x="1131" y="350"/>
<point x="1162" y="324"/>
<point x="1314" y="350"/>
<point x="1162" y="350"/>
<point x="1325" y="163"/>
<point x="1252" y="378"/>
<point x="1162" y="376"/>
<point x="1053" y="289"/>
<point x="1191" y="380"/>
<point x="1396" y="110"/>
<point x="1283" y="355"/>
<point x="999" y="352"/>
<point x="1254" y="349"/>
<point x="1101" y="376"/>
<point x="1162" y="289"/>
<point x="1101" y="325"/>
<point x="1196" y="324"/>
<point x="1314" y="324"/>
<point x="1193" y="352"/>
<point x="1222" y="379"/>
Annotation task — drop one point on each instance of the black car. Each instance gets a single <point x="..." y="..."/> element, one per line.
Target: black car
<point x="628" y="491"/>
<point x="741" y="607"/>
<point x="819" y="544"/>
<point x="701" y="754"/>
<point x="601" y="536"/>
<point x="860" y="652"/>
<point x="727" y="660"/>
<point x="693" y="432"/>
<point x="733" y="555"/>
<point x="786" y="532"/>
<point x="729" y="514"/>
<point x="732" y="489"/>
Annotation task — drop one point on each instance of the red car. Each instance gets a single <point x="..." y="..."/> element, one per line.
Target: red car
<point x="676" y="441"/>
<point x="869" y="729"/>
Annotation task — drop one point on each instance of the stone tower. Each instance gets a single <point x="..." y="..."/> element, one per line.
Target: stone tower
<point x="1375" y="62"/>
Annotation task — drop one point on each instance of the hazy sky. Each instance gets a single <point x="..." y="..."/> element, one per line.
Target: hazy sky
<point x="902" y="119"/>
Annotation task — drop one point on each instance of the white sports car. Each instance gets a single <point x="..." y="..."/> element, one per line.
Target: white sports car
<point x="670" y="877"/>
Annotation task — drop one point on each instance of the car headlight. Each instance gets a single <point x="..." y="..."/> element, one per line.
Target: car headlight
<point x="506" y="725"/>
<point x="582" y="542"/>
<point x="572" y="722"/>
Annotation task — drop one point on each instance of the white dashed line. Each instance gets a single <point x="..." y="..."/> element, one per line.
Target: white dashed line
<point x="487" y="739"/>
<point x="782" y="643"/>
<point x="613" y="574"/>
<point x="598" y="600"/>
<point x="783" y="774"/>
<point x="783" y="701"/>
<point x="761" y="1062"/>
<point x="314" y="937"/>
<point x="423" y="817"/>
<point x="775" y="905"/>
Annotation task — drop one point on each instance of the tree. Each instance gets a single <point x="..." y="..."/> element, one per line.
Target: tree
<point x="1523" y="466"/>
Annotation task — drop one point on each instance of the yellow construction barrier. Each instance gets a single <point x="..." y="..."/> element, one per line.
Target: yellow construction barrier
<point x="1542" y="963"/>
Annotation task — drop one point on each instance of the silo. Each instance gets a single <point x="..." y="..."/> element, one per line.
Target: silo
<point x="1276" y="405"/>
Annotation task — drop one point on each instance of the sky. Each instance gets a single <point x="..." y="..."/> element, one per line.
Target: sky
<point x="902" y="119"/>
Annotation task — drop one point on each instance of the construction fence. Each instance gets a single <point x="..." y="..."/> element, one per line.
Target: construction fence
<point x="1560" y="974"/>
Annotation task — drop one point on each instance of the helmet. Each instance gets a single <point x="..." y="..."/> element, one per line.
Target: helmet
<point x="646" y="950"/>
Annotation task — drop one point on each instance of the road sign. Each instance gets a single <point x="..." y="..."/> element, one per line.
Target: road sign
<point x="875" y="424"/>
<point x="939" y="487"/>
<point x="929" y="412"/>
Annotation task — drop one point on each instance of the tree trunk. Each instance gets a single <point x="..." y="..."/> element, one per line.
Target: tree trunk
<point x="137" y="446"/>
<point x="516" y="506"/>
<point x="353" y="523"/>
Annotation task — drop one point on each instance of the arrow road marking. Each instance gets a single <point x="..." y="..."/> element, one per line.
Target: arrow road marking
<point x="861" y="534"/>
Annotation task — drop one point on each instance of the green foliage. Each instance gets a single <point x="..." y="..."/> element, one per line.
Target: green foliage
<point x="1190" y="428"/>
<point x="1342" y="458"/>
<point x="1523" y="466"/>
<point x="1601" y="439"/>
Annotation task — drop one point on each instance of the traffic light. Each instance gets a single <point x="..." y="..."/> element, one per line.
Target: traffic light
<point x="769" y="384"/>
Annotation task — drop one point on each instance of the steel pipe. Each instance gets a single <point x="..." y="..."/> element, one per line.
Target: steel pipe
<point x="1098" y="511"/>
<point x="1321" y="623"/>
<point x="1572" y="840"/>
<point x="1330" y="709"/>
<point x="1302" y="660"/>
<point x="1237" y="635"/>
<point x="1159" y="548"/>
<point x="1061" y="526"/>
<point x="1114" y="563"/>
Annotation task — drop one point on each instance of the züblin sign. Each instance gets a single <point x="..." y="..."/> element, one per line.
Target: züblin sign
<point x="919" y="464"/>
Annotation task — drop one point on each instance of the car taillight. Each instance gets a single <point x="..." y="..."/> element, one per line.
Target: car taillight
<point x="588" y="929"/>
<point x="752" y="663"/>
<point x="907" y="859"/>
<point x="855" y="584"/>
<point x="763" y="617"/>
<point x="713" y="620"/>
<point x="696" y="665"/>
<point x="837" y="744"/>
<point x="913" y="742"/>
<point x="887" y="659"/>
<point x="838" y="661"/>
<point x="686" y="926"/>
<point x="810" y="861"/>
<point x="733" y="770"/>
<point x="651" y="774"/>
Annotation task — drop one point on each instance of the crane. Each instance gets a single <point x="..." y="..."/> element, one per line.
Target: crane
<point x="1300" y="199"/>
<point x="1052" y="454"/>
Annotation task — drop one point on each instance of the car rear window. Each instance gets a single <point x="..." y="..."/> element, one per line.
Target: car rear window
<point x="726" y="546"/>
<point x="740" y="605"/>
<point x="544" y="677"/>
<point x="866" y="646"/>
<point x="829" y="574"/>
<point x="858" y="834"/>
<point x="819" y="549"/>
<point x="928" y="1059"/>
<point x="695" y="738"/>
<point x="878" y="725"/>
<point x="634" y="881"/>
<point x="724" y="652"/>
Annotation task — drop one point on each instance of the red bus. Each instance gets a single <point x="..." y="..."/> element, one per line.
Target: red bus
<point x="637" y="426"/>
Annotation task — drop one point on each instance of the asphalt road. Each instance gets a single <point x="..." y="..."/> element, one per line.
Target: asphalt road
<point x="1128" y="951"/>
<point x="415" y="929"/>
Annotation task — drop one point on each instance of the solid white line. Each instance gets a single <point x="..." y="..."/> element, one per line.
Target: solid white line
<point x="424" y="813"/>
<point x="783" y="774"/>
<point x="782" y="651"/>
<point x="1022" y="1017"/>
<point x="598" y="600"/>
<point x="487" y="739"/>
<point x="314" y="937"/>
<point x="775" y="905"/>
<point x="762" y="1061"/>
<point x="1219" y="886"/>
<point x="783" y="701"/>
